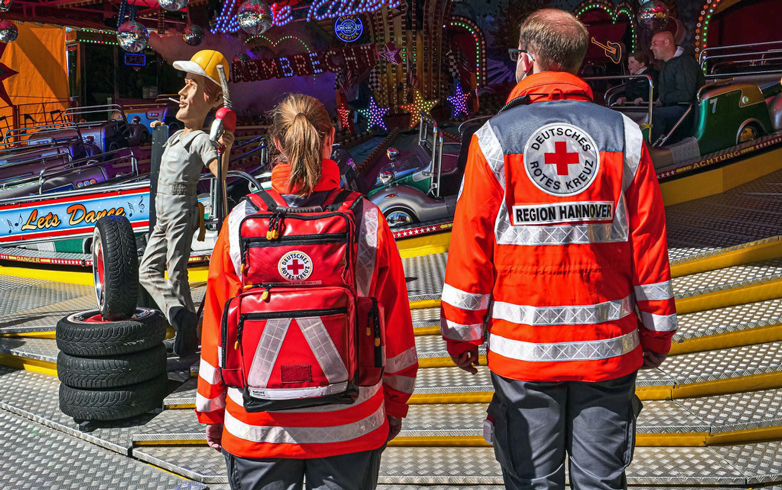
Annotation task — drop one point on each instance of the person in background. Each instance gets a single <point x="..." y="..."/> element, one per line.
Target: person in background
<point x="333" y="446"/>
<point x="637" y="89"/>
<point x="559" y="259"/>
<point x="680" y="78"/>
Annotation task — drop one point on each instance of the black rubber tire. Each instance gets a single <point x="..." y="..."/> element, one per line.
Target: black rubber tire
<point x="120" y="265"/>
<point x="113" y="403"/>
<point x="111" y="372"/>
<point x="76" y="337"/>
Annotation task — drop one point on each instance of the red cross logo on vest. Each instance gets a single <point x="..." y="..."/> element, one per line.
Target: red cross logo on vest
<point x="561" y="159"/>
<point x="295" y="266"/>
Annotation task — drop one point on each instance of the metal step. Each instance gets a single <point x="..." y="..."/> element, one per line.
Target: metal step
<point x="46" y="351"/>
<point x="742" y="465"/>
<point x="36" y="397"/>
<point x="728" y="278"/>
<point x="33" y="302"/>
<point x="425" y="276"/>
<point x="35" y="456"/>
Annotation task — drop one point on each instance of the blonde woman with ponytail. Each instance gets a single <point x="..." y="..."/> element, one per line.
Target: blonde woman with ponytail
<point x="332" y="447"/>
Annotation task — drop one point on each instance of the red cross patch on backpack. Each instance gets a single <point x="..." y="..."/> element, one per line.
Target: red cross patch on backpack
<point x="299" y="335"/>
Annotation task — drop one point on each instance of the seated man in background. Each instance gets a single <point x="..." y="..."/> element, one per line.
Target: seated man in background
<point x="679" y="80"/>
<point x="637" y="89"/>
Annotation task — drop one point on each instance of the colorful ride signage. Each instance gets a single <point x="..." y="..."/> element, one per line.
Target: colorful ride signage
<point x="71" y="216"/>
<point x="349" y="28"/>
<point x="351" y="58"/>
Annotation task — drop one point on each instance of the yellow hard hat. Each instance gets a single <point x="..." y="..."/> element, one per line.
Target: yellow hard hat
<point x="205" y="63"/>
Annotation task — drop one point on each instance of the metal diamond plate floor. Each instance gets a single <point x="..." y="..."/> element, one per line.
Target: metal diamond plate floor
<point x="425" y="276"/>
<point x="744" y="214"/>
<point x="37" y="457"/>
<point x="727" y="278"/>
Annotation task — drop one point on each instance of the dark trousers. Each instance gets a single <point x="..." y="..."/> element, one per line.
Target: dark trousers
<point x="664" y="119"/>
<point x="355" y="471"/>
<point x="536" y="424"/>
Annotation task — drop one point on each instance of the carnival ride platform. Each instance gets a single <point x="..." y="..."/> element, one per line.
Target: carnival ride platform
<point x="712" y="412"/>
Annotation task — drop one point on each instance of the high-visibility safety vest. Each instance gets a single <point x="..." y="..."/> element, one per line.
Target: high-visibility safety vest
<point x="558" y="255"/>
<point x="323" y="430"/>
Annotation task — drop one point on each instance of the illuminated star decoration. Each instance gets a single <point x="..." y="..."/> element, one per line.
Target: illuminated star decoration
<point x="5" y="72"/>
<point x="391" y="54"/>
<point x="374" y="114"/>
<point x="344" y="116"/>
<point x="459" y="101"/>
<point x="418" y="106"/>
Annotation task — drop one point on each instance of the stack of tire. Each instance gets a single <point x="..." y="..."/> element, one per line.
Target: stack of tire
<point x="112" y="361"/>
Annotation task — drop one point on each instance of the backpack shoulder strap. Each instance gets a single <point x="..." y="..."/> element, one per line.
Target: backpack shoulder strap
<point x="271" y="200"/>
<point x="344" y="200"/>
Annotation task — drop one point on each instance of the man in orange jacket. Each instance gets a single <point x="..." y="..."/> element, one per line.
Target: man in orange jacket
<point x="559" y="256"/>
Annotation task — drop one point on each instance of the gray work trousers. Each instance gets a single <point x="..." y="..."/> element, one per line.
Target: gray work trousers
<point x="354" y="471"/>
<point x="169" y="244"/>
<point x="535" y="424"/>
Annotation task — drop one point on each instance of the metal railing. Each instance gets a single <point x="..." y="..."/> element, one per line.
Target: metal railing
<point x="739" y="54"/>
<point x="112" y="111"/>
<point x="435" y="167"/>
<point x="648" y="78"/>
<point x="75" y="166"/>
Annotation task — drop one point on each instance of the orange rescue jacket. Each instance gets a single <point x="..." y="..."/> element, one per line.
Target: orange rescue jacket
<point x="321" y="431"/>
<point x="558" y="255"/>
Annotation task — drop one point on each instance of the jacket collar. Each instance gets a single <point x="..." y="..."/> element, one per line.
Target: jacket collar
<point x="552" y="85"/>
<point x="329" y="178"/>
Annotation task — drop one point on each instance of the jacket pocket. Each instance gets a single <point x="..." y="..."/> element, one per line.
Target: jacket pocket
<point x="635" y="407"/>
<point x="503" y="451"/>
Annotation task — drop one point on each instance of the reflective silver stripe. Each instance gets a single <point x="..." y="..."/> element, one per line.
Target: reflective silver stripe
<point x="220" y="356"/>
<point x="660" y="323"/>
<point x="457" y="331"/>
<point x="267" y="351"/>
<point x="616" y="231"/>
<point x="464" y="300"/>
<point x="367" y="249"/>
<point x="305" y="435"/>
<point x="297" y="393"/>
<point x="364" y="394"/>
<point x="405" y="384"/>
<point x="324" y="349"/>
<point x="204" y="404"/>
<point x="633" y="144"/>
<point x="209" y="373"/>
<point x="492" y="151"/>
<point x="234" y="221"/>
<point x="590" y="350"/>
<point x="563" y="315"/>
<point x="654" y="292"/>
<point x="402" y="361"/>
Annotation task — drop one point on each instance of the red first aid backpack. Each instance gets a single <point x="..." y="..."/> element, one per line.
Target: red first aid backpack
<point x="299" y="335"/>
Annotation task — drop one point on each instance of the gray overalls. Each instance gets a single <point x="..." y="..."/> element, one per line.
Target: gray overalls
<point x="176" y="212"/>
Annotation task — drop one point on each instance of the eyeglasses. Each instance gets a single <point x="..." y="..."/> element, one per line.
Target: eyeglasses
<point x="515" y="53"/>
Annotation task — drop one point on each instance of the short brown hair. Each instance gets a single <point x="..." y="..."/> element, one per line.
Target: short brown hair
<point x="557" y="40"/>
<point x="212" y="89"/>
<point x="641" y="57"/>
<point x="301" y="124"/>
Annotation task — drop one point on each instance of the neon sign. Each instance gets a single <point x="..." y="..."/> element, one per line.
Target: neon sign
<point x="349" y="28"/>
<point x="227" y="22"/>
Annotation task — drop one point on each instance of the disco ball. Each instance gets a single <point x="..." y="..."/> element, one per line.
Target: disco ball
<point x="193" y="35"/>
<point x="653" y="15"/>
<point x="132" y="36"/>
<point x="5" y="5"/>
<point x="173" y="5"/>
<point x="255" y="17"/>
<point x="8" y="31"/>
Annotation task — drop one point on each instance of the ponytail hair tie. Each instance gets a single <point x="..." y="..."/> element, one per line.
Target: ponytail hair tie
<point x="301" y="114"/>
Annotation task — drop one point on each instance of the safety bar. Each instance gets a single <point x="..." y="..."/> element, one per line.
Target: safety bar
<point x="435" y="164"/>
<point x="110" y="109"/>
<point x="213" y="189"/>
<point x="631" y="77"/>
<point x="664" y="138"/>
<point x="704" y="56"/>
<point x="39" y="130"/>
<point x="41" y="158"/>
<point x="72" y="166"/>
<point x="717" y="76"/>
